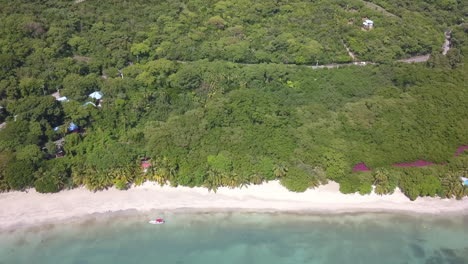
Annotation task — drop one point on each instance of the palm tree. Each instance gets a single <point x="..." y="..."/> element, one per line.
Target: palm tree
<point x="211" y="181"/>
<point x="280" y="171"/>
<point x="78" y="176"/>
<point x="161" y="175"/>
<point x="256" y="178"/>
<point x="244" y="180"/>
<point x="453" y="186"/>
<point x="232" y="180"/>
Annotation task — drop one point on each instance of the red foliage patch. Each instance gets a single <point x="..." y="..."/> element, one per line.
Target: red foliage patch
<point x="460" y="150"/>
<point x="361" y="167"/>
<point x="419" y="163"/>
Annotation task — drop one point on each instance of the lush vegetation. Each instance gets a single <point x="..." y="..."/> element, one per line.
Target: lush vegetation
<point x="174" y="93"/>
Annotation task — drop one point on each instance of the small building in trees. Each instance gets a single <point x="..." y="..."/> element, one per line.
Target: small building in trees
<point x="96" y="95"/>
<point x="72" y="127"/>
<point x="60" y="98"/>
<point x="59" y="144"/>
<point x="368" y="24"/>
<point x="56" y="95"/>
<point x="54" y="149"/>
<point x="464" y="180"/>
<point x="60" y="153"/>
<point x="63" y="99"/>
<point x="145" y="164"/>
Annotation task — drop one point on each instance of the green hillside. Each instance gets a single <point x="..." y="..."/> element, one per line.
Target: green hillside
<point x="218" y="93"/>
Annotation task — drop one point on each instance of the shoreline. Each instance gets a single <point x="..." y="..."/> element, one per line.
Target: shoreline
<point x="23" y="209"/>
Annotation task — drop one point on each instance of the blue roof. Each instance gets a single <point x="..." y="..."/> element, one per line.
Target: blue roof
<point x="72" y="126"/>
<point x="466" y="182"/>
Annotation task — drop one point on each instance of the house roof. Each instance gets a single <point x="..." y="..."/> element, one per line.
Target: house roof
<point x="63" y="99"/>
<point x="56" y="95"/>
<point x="89" y="103"/>
<point x="96" y="95"/>
<point x="72" y="126"/>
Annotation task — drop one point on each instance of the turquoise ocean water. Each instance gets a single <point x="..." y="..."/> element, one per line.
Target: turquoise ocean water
<point x="195" y="238"/>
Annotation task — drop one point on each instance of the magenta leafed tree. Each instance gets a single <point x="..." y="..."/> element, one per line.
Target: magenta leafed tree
<point x="361" y="167"/>
<point x="460" y="150"/>
<point x="418" y="163"/>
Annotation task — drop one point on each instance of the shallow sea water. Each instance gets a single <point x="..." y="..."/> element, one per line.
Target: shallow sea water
<point x="233" y="237"/>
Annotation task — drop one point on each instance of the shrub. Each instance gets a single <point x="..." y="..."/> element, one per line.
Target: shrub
<point x="47" y="184"/>
<point x="20" y="175"/>
<point x="297" y="180"/>
<point x="121" y="185"/>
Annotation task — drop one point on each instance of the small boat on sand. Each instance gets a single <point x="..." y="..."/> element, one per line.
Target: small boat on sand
<point x="158" y="221"/>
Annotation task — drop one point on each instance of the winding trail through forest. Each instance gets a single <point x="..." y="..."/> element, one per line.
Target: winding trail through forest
<point x="424" y="58"/>
<point x="414" y="59"/>
<point x="355" y="62"/>
<point x="325" y="66"/>
<point x="421" y="58"/>
<point x="350" y="53"/>
<point x="446" y="46"/>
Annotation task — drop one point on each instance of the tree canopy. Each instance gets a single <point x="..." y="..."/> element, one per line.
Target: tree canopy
<point x="221" y="93"/>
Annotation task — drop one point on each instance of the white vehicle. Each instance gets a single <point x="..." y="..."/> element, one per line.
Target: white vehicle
<point x="158" y="221"/>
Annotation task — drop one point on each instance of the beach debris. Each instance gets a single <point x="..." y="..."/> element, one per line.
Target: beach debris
<point x="157" y="221"/>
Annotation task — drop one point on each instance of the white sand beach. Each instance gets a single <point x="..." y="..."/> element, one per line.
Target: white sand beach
<point x="26" y="208"/>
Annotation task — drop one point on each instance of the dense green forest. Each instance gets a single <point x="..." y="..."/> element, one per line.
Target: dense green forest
<point x="213" y="93"/>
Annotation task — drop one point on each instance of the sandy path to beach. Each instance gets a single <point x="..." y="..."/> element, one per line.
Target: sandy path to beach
<point x="21" y="208"/>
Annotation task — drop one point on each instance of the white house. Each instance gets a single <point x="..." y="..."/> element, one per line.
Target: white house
<point x="63" y="99"/>
<point x="96" y="95"/>
<point x="464" y="180"/>
<point x="369" y="24"/>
